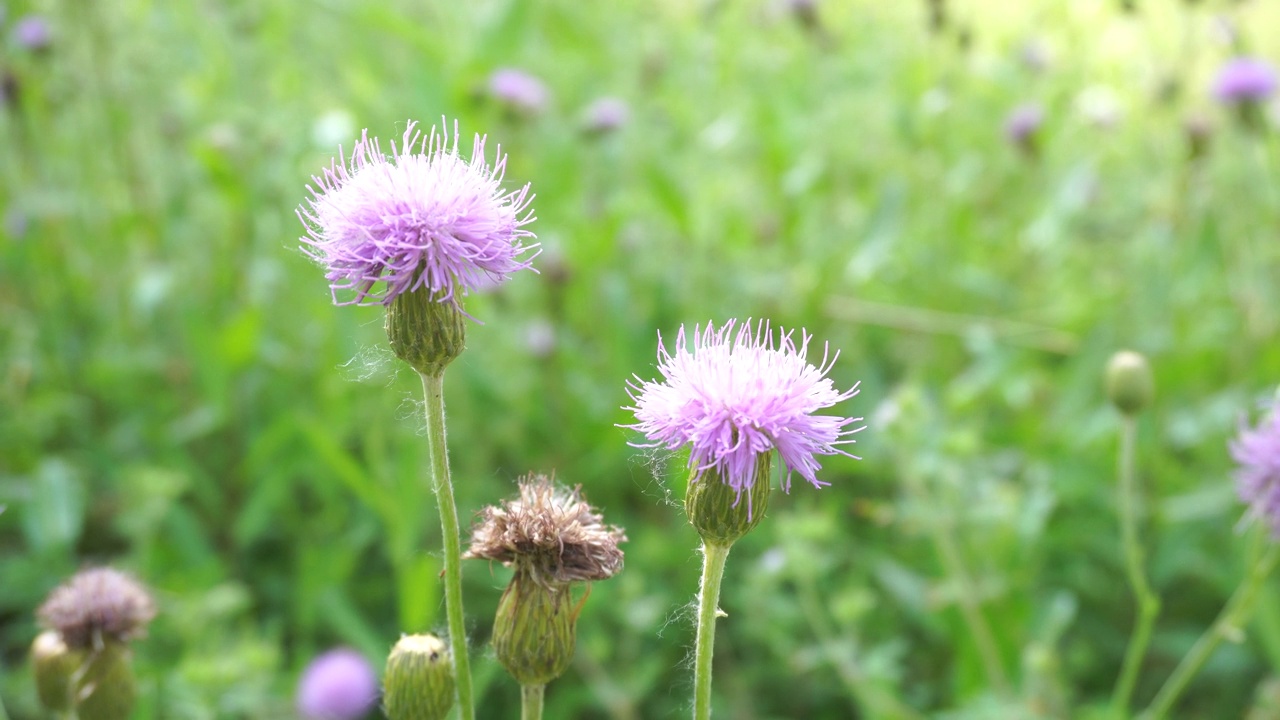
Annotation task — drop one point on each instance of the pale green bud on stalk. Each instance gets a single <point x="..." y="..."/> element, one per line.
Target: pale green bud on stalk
<point x="721" y="514"/>
<point x="534" y="632"/>
<point x="425" y="333"/>
<point x="54" y="665"/>
<point x="1130" y="384"/>
<point x="419" y="682"/>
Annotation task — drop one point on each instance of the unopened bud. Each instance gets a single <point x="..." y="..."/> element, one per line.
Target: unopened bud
<point x="424" y="332"/>
<point x="54" y="665"/>
<point x="1130" y="385"/>
<point x="534" y="632"/>
<point x="419" y="682"/>
<point x="721" y="514"/>
<point x="107" y="690"/>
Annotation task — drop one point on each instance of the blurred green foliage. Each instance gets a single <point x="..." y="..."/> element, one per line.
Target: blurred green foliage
<point x="178" y="396"/>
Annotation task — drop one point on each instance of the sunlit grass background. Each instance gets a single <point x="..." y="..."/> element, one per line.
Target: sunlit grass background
<point x="178" y="396"/>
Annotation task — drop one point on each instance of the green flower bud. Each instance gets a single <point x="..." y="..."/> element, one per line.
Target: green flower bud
<point x="54" y="664"/>
<point x="107" y="689"/>
<point x="1130" y="385"/>
<point x="534" y="632"/>
<point x="425" y="333"/>
<point x="419" y="681"/>
<point x="721" y="514"/>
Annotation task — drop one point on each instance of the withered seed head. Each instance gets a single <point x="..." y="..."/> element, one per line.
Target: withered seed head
<point x="98" y="602"/>
<point x="549" y="532"/>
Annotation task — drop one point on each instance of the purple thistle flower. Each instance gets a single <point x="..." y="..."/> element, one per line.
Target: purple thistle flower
<point x="606" y="114"/>
<point x="1244" y="80"/>
<point x="737" y="394"/>
<point x="32" y="32"/>
<point x="1257" y="451"/>
<point x="338" y="685"/>
<point x="416" y="219"/>
<point x="519" y="89"/>
<point x="1023" y="123"/>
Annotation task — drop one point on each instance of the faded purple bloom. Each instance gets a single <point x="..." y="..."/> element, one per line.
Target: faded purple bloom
<point x="519" y="89"/>
<point x="737" y="394"/>
<point x="337" y="685"/>
<point x="32" y="32"/>
<point x="1023" y="123"/>
<point x="416" y="219"/>
<point x="1244" y="80"/>
<point x="1257" y="451"/>
<point x="606" y="114"/>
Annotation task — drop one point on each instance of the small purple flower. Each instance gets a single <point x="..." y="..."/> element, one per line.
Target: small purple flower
<point x="1023" y="124"/>
<point x="606" y="114"/>
<point x="518" y="89"/>
<point x="1257" y="451"/>
<point x="416" y="219"/>
<point x="1244" y="80"/>
<point x="33" y="33"/>
<point x="737" y="394"/>
<point x="338" y="685"/>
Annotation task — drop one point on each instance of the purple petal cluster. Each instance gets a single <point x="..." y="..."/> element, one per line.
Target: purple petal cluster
<point x="606" y="114"/>
<point x="32" y="33"/>
<point x="1257" y="452"/>
<point x="1245" y="80"/>
<point x="338" y="685"/>
<point x="1023" y="123"/>
<point x="421" y="217"/>
<point x="519" y="89"/>
<point x="737" y="393"/>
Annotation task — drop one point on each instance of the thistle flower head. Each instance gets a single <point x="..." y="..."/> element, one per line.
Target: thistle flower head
<point x="1256" y="450"/>
<point x="606" y="114"/>
<point x="95" y="605"/>
<point x="518" y="90"/>
<point x="549" y="532"/>
<point x="33" y="33"/>
<point x="422" y="217"/>
<point x="1023" y="123"/>
<point x="338" y="685"/>
<point x="1244" y="80"/>
<point x="738" y="393"/>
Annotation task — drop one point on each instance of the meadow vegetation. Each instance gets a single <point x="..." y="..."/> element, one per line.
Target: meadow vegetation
<point x="179" y="397"/>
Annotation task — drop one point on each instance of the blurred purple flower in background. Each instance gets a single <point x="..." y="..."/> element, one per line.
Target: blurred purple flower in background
<point x="338" y="685"/>
<point x="32" y="32"/>
<point x="606" y="114"/>
<point x="422" y="217"/>
<point x="1257" y="451"/>
<point x="518" y="90"/>
<point x="1244" y="80"/>
<point x="736" y="394"/>
<point x="1023" y="125"/>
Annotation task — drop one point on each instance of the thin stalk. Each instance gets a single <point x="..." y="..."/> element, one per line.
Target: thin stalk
<point x="971" y="610"/>
<point x="713" y="558"/>
<point x="438" y="453"/>
<point x="1228" y="625"/>
<point x="1148" y="603"/>
<point x="531" y="702"/>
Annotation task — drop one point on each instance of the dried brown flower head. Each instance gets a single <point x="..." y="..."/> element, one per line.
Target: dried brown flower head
<point x="549" y="532"/>
<point x="97" y="603"/>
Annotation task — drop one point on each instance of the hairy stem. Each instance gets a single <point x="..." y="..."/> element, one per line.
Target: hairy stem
<point x="713" y="558"/>
<point x="438" y="453"/>
<point x="531" y="702"/>
<point x="1229" y="624"/>
<point x="1148" y="603"/>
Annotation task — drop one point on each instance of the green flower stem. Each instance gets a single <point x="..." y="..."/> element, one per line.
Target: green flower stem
<point x="1228" y="625"/>
<point x="438" y="452"/>
<point x="531" y="702"/>
<point x="1148" y="602"/>
<point x="713" y="558"/>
